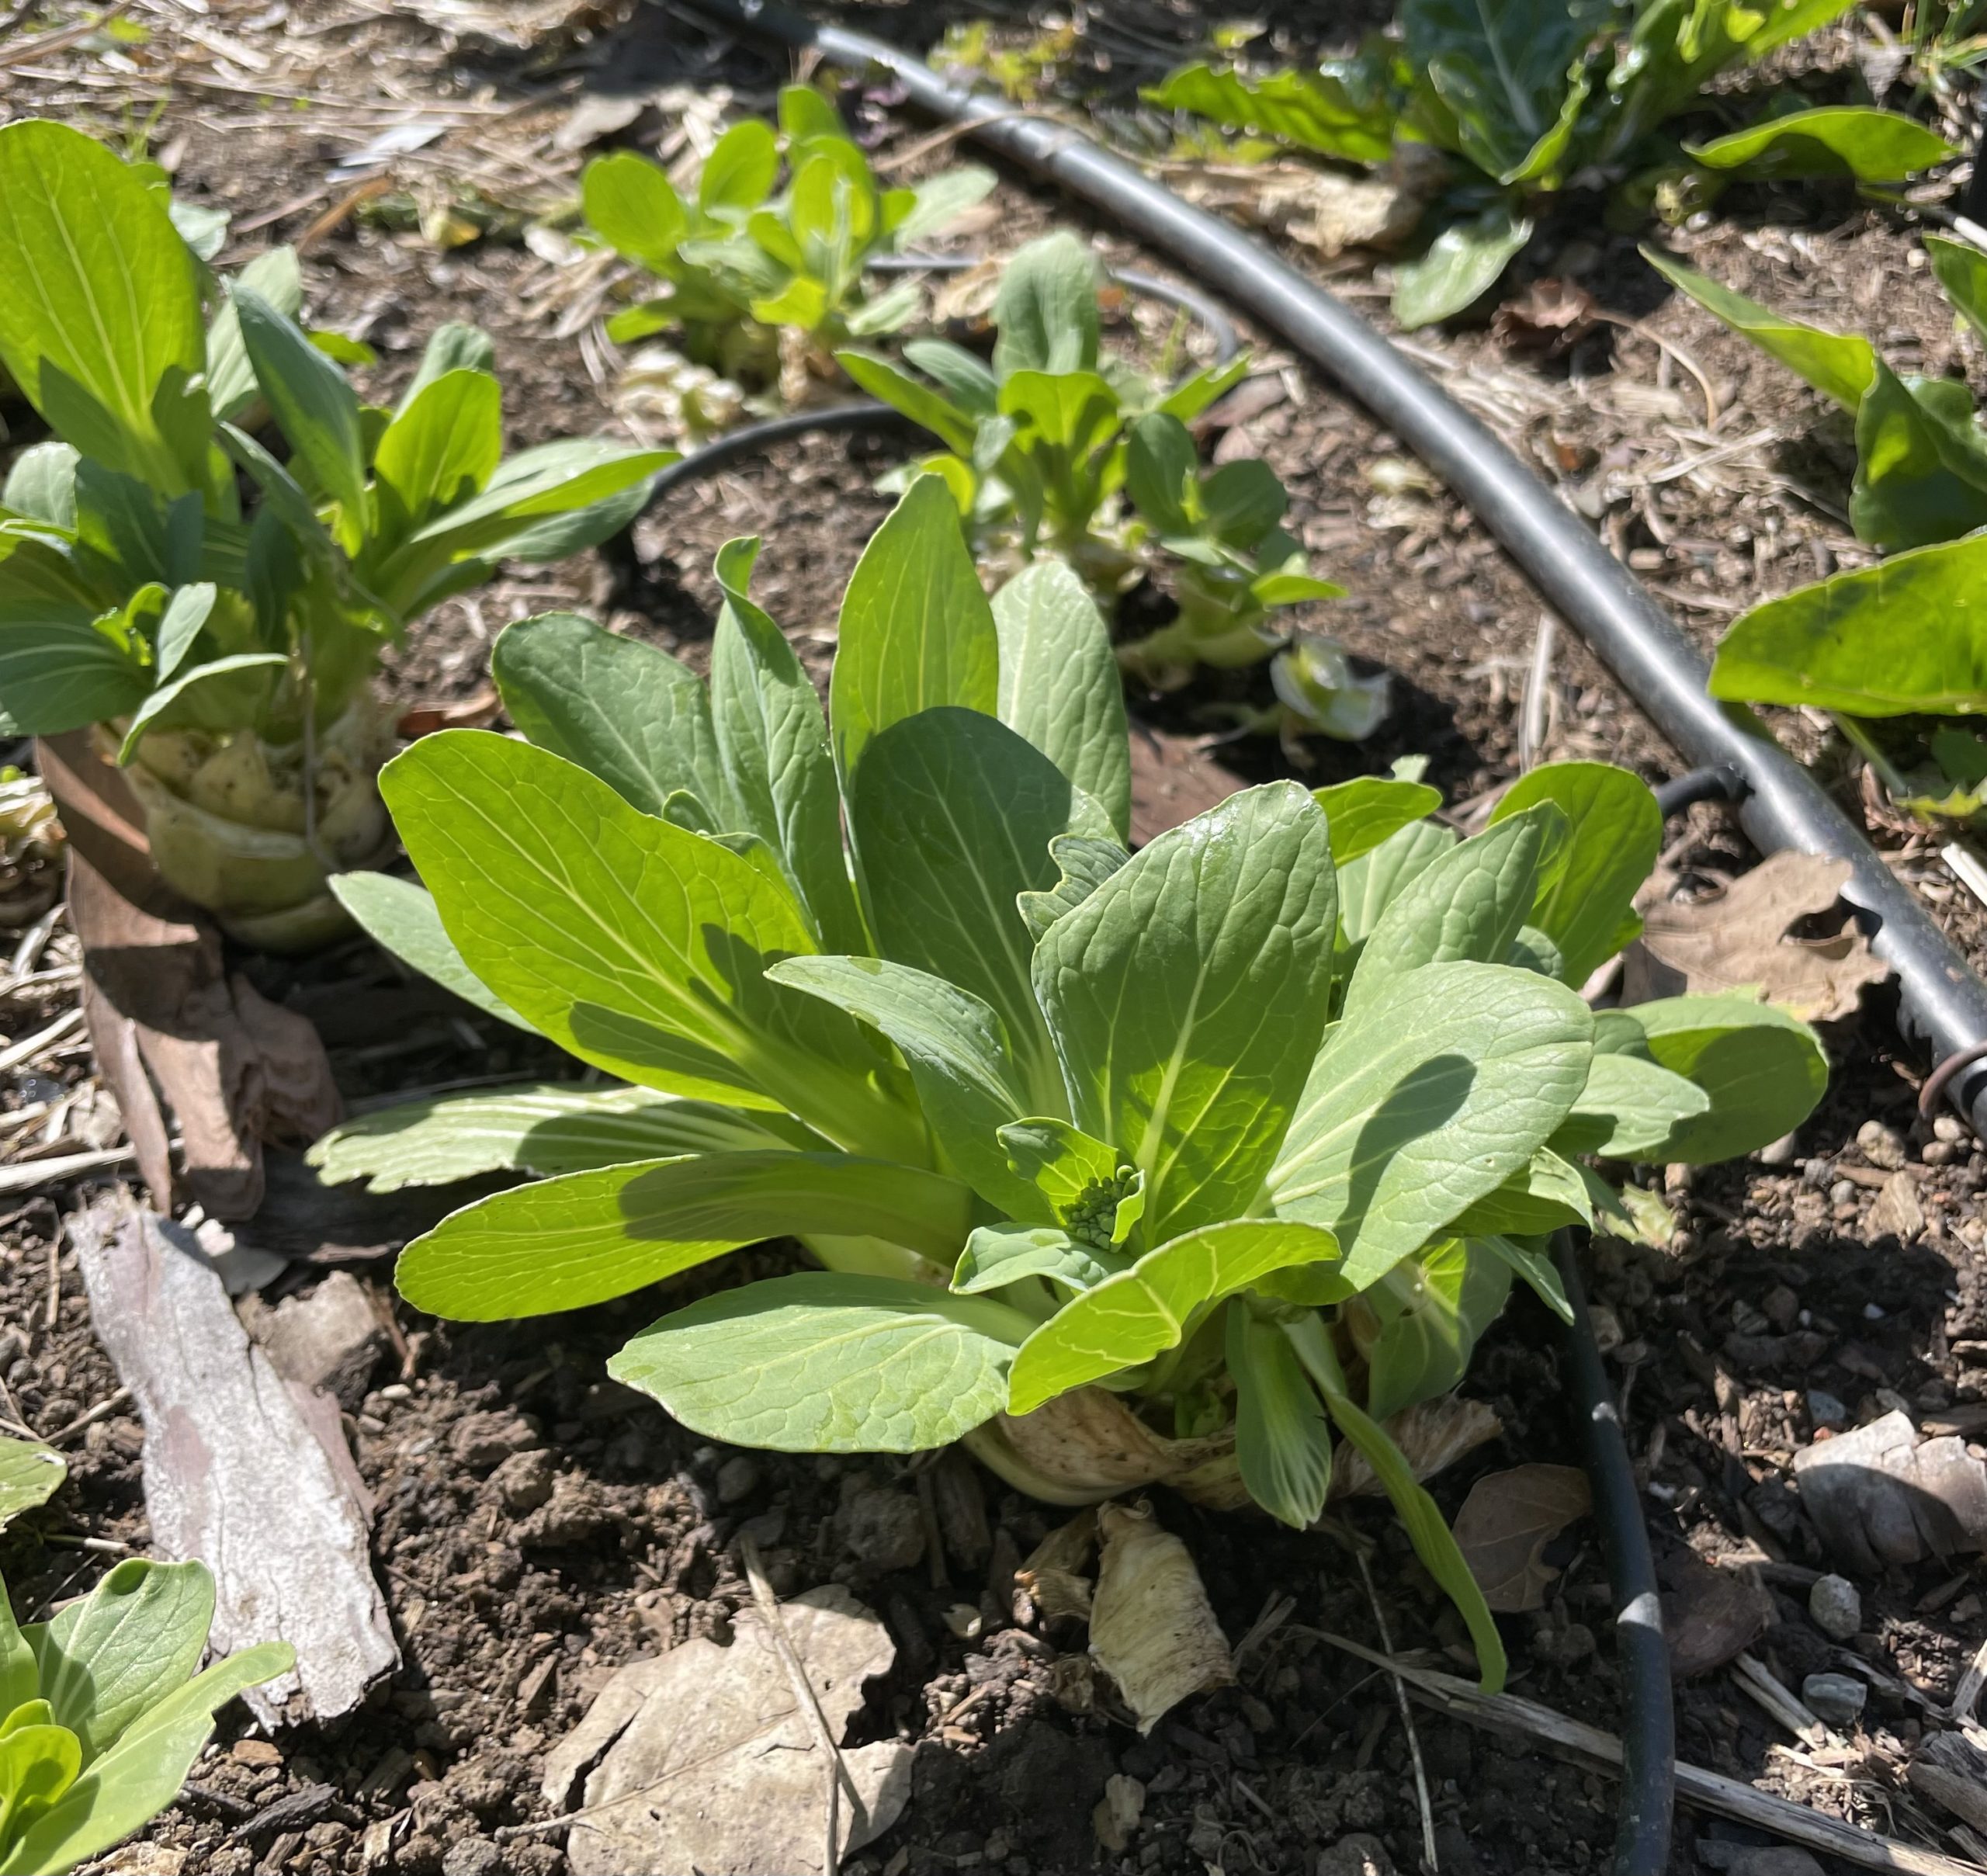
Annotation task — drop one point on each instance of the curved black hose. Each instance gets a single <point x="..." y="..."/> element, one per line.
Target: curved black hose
<point x="1944" y="1004"/>
<point x="867" y="416"/>
<point x="1714" y="782"/>
<point x="1649" y="1729"/>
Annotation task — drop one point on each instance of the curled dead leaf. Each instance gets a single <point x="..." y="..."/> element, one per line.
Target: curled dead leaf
<point x="475" y="711"/>
<point x="1550" y="316"/>
<point x="1505" y="1523"/>
<point x="1152" y="1627"/>
<point x="1739" y="940"/>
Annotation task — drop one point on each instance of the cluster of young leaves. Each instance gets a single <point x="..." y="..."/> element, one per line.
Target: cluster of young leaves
<point x="1529" y="97"/>
<point x="1046" y="446"/>
<point x="138" y="585"/>
<point x="741" y="260"/>
<point x="102" y="1713"/>
<point x="1899" y="640"/>
<point x="1051" y="1114"/>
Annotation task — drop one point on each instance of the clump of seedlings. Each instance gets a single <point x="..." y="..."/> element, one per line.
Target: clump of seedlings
<point x="1059" y="447"/>
<point x="1494" y="110"/>
<point x="762" y="282"/>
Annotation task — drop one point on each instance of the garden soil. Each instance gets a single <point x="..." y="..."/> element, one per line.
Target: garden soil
<point x="538" y="1526"/>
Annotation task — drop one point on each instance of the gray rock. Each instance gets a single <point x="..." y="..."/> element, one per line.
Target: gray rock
<point x="1356" y="1856"/>
<point x="737" y="1479"/>
<point x="1882" y="1146"/>
<point x="472" y="1857"/>
<point x="882" y="1528"/>
<point x="1835" y="1606"/>
<point x="1836" y="1699"/>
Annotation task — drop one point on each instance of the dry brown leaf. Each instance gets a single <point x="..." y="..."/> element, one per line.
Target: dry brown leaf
<point x="1326" y="210"/>
<point x="1550" y="316"/>
<point x="1505" y="1523"/>
<point x="1739" y="941"/>
<point x="701" y="1759"/>
<point x="1711" y="1616"/>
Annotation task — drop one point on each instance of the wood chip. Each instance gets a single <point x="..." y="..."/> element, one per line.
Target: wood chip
<point x="241" y="1470"/>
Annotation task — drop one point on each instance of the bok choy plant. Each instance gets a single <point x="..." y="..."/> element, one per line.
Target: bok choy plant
<point x="1059" y="448"/>
<point x="762" y="286"/>
<point x="102" y="1713"/>
<point x="1528" y="99"/>
<point x="1121" y="1167"/>
<point x="1892" y="648"/>
<point x="206" y="559"/>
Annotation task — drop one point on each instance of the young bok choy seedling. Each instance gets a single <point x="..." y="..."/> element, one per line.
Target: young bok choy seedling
<point x="1121" y="1166"/>
<point x="102" y="1712"/>
<point x="206" y="560"/>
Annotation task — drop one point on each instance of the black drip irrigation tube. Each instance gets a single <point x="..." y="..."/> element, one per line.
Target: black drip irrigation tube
<point x="1943" y="1004"/>
<point x="867" y="416"/>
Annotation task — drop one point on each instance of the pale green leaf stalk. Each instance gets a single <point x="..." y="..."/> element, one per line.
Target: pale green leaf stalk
<point x="224" y="651"/>
<point x="1125" y="1167"/>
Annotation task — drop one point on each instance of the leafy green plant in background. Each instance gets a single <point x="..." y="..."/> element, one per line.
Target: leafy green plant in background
<point x="102" y="1713"/>
<point x="1534" y="96"/>
<point x="1899" y="641"/>
<point x="1121" y="1166"/>
<point x="762" y="286"/>
<point x="1059" y="447"/>
<point x="225" y="649"/>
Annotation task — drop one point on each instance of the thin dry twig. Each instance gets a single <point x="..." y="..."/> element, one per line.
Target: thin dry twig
<point x="1506" y="1713"/>
<point x="89" y="1417"/>
<point x="1676" y="352"/>
<point x="1428" y="1852"/>
<point x="60" y="41"/>
<point x="809" y="1701"/>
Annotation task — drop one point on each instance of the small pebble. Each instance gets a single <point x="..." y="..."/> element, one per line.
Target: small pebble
<point x="1873" y="1313"/>
<point x="1939" y="1152"/>
<point x="1835" y="1606"/>
<point x="1949" y="1128"/>
<point x="737" y="1479"/>
<point x="1825" y="1410"/>
<point x="1882" y="1146"/>
<point x="1836" y="1699"/>
<point x="1841" y="1193"/>
<point x="1782" y="1306"/>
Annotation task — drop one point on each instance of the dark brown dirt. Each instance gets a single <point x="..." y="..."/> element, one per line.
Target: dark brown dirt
<point x="1772" y="1290"/>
